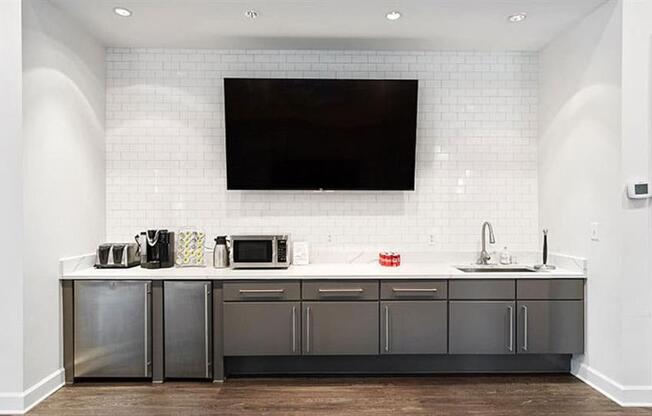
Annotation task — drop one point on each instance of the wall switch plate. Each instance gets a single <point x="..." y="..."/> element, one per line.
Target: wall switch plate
<point x="595" y="232"/>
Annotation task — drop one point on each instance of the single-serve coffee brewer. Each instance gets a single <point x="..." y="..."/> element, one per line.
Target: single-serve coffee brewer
<point x="156" y="249"/>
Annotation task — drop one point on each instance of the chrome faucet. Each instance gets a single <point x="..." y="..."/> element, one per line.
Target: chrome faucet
<point x="484" y="256"/>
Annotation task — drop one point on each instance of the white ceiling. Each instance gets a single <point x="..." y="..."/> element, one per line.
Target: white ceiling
<point x="329" y="24"/>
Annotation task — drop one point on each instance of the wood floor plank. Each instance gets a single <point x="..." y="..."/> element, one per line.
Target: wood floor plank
<point x="513" y="395"/>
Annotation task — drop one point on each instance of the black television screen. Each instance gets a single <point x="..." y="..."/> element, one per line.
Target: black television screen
<point x="314" y="134"/>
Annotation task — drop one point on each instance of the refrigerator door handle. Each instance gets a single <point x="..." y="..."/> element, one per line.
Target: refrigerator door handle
<point x="148" y="291"/>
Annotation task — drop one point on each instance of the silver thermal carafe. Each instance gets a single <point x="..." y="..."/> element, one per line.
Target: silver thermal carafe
<point x="220" y="253"/>
<point x="156" y="249"/>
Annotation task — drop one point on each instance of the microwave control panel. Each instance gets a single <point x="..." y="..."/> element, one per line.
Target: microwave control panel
<point x="282" y="253"/>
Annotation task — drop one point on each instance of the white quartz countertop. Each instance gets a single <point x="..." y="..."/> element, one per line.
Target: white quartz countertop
<point x="313" y="271"/>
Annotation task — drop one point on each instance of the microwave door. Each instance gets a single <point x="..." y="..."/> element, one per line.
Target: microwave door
<point x="254" y="253"/>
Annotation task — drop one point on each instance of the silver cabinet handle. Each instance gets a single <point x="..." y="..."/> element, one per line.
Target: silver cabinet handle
<point x="511" y="328"/>
<point x="386" y="328"/>
<point x="399" y="290"/>
<point x="294" y="329"/>
<point x="207" y="360"/>
<point x="147" y="292"/>
<point x="356" y="290"/>
<point x="265" y="291"/>
<point x="525" y="346"/>
<point x="308" y="329"/>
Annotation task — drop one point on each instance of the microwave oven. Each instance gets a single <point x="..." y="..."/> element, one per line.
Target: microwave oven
<point x="259" y="251"/>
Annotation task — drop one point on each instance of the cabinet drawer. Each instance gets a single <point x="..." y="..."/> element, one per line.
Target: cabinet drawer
<point x="553" y="289"/>
<point x="338" y="290"/>
<point x="413" y="289"/>
<point x="256" y="291"/>
<point x="482" y="289"/>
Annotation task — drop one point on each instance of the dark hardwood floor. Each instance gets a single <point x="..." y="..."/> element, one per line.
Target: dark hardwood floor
<point x="531" y="395"/>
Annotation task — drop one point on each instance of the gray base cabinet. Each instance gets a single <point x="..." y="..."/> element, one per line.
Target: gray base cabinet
<point x="482" y="327"/>
<point x="413" y="327"/>
<point x="179" y="329"/>
<point x="550" y="327"/>
<point x="340" y="328"/>
<point x="112" y="329"/>
<point x="187" y="317"/>
<point x="262" y="328"/>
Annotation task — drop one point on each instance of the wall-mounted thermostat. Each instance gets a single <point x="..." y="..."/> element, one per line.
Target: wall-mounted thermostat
<point x="638" y="190"/>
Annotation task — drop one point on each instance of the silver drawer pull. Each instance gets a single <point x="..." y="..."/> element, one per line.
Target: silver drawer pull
<point x="401" y="290"/>
<point x="511" y="328"/>
<point x="294" y="329"/>
<point x="261" y="291"/>
<point x="146" y="333"/>
<point x="525" y="328"/>
<point x="206" y="330"/>
<point x="357" y="290"/>
<point x="308" y="329"/>
<point x="386" y="328"/>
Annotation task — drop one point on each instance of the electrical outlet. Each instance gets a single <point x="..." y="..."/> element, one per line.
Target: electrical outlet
<point x="330" y="238"/>
<point x="431" y="239"/>
<point x="595" y="231"/>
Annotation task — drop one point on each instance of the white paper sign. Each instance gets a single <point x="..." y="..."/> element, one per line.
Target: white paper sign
<point x="300" y="253"/>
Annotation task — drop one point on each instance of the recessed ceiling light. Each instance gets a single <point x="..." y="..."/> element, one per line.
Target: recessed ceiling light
<point x="393" y="15"/>
<point x="121" y="11"/>
<point x="518" y="17"/>
<point x="252" y="14"/>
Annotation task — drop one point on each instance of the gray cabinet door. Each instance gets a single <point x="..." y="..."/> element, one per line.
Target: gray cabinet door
<point x="187" y="308"/>
<point x="340" y="328"/>
<point x="413" y="327"/>
<point x="550" y="327"/>
<point x="482" y="327"/>
<point x="112" y="329"/>
<point x="262" y="328"/>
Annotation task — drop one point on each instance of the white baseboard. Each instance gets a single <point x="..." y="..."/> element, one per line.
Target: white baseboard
<point x="626" y="396"/>
<point x="11" y="403"/>
<point x="21" y="403"/>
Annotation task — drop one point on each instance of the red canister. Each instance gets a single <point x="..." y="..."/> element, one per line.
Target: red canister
<point x="396" y="259"/>
<point x="385" y="259"/>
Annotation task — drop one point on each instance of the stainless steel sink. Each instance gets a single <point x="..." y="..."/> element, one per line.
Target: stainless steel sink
<point x="496" y="269"/>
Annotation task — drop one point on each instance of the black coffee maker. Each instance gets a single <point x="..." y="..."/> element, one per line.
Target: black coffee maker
<point x="156" y="249"/>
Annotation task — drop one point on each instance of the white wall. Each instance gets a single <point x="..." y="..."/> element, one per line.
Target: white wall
<point x="637" y="223"/>
<point x="64" y="168"/>
<point x="580" y="165"/>
<point x="595" y="137"/>
<point x="11" y="216"/>
<point x="476" y="156"/>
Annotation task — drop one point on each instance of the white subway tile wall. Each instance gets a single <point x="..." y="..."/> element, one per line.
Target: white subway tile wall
<point x="476" y="149"/>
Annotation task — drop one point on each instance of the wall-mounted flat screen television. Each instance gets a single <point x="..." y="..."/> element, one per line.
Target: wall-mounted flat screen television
<point x="320" y="134"/>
